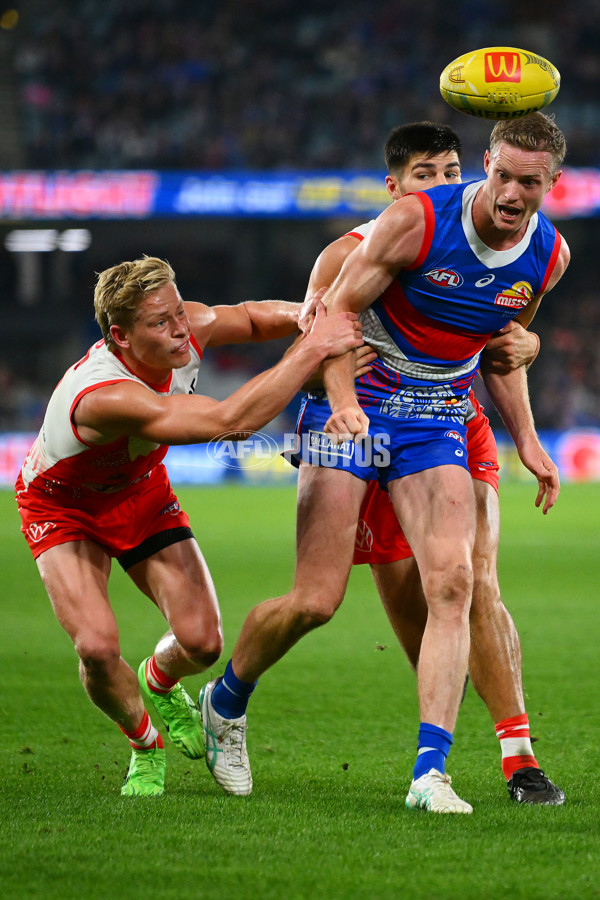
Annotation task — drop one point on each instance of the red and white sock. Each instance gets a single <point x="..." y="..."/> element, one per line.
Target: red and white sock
<point x="517" y="752"/>
<point x="156" y="678"/>
<point x="145" y="737"/>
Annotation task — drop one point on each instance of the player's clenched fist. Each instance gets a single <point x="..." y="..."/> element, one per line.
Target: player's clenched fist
<point x="349" y="423"/>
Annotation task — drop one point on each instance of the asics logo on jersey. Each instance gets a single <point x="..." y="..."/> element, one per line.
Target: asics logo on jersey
<point x="36" y="532"/>
<point x="487" y="279"/>
<point x="444" y="278"/>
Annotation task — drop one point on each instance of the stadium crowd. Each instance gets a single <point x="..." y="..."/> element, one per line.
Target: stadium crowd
<point x="272" y="84"/>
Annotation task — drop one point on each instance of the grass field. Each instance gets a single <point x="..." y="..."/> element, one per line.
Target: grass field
<point x="332" y="737"/>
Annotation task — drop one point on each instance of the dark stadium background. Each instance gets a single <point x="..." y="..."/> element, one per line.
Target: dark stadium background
<point x="272" y="86"/>
<point x="269" y="87"/>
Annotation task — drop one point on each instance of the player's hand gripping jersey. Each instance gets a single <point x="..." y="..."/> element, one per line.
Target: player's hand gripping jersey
<point x="429" y="328"/>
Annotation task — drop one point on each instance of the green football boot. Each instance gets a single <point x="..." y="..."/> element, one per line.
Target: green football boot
<point x="146" y="775"/>
<point x="179" y="714"/>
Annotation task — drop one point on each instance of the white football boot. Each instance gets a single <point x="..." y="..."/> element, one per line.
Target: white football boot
<point x="434" y="793"/>
<point x="225" y="745"/>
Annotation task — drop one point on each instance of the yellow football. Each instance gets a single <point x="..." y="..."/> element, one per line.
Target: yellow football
<point x="499" y="83"/>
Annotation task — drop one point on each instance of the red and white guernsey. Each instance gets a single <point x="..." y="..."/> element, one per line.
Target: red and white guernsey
<point x="61" y="465"/>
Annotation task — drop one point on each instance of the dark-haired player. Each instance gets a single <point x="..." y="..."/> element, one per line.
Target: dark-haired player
<point x="489" y="239"/>
<point x="419" y="156"/>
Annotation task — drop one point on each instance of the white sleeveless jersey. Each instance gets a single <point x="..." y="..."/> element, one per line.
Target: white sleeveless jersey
<point x="61" y="462"/>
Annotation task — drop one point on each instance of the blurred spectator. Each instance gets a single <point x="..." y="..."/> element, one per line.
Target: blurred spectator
<point x="273" y="84"/>
<point x="22" y="403"/>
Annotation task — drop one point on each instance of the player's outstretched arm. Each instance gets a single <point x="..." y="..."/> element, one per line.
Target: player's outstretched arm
<point x="510" y="396"/>
<point x="127" y="408"/>
<point x="262" y="320"/>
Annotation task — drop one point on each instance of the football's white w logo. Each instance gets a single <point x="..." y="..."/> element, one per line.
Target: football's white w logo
<point x="37" y="532"/>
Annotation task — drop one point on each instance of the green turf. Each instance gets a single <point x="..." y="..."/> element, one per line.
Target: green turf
<point x="332" y="737"/>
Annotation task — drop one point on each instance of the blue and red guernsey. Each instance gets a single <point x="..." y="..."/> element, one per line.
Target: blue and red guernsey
<point x="432" y="322"/>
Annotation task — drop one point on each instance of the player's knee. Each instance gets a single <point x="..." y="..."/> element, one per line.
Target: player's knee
<point x="450" y="585"/>
<point x="98" y="653"/>
<point x="315" y="611"/>
<point x="202" y="647"/>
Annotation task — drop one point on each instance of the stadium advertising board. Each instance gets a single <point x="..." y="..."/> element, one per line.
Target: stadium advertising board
<point x="83" y="195"/>
<point x="258" y="460"/>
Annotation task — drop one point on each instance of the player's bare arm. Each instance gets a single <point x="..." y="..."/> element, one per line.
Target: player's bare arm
<point x="329" y="263"/>
<point x="393" y="243"/>
<point x="510" y="396"/>
<point x="510" y="348"/>
<point x="128" y="408"/>
<point x="262" y="320"/>
<point x="324" y="272"/>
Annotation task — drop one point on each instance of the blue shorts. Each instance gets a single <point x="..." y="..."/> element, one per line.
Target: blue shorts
<point x="395" y="447"/>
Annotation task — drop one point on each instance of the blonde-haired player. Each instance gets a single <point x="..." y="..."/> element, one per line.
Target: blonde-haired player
<point x="94" y="487"/>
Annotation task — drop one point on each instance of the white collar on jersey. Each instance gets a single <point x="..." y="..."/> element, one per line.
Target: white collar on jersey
<point x="493" y="259"/>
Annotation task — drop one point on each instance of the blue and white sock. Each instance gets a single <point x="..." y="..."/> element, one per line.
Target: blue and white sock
<point x="230" y="696"/>
<point x="434" y="746"/>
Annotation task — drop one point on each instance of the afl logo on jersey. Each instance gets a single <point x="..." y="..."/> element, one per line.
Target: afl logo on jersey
<point x="444" y="278"/>
<point x="454" y="434"/>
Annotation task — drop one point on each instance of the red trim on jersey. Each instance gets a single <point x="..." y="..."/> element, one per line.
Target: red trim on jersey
<point x="160" y="388"/>
<point x="354" y="234"/>
<point x="552" y="262"/>
<point x="196" y="345"/>
<point x="299" y="425"/>
<point x="84" y="358"/>
<point x="428" y="335"/>
<point x="429" y="229"/>
<point x="81" y="394"/>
